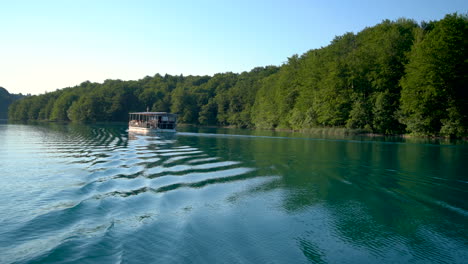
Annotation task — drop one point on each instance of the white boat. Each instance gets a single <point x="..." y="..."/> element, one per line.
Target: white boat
<point x="152" y="122"/>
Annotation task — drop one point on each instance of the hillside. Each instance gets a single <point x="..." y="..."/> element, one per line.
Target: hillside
<point x="395" y="77"/>
<point x="5" y="100"/>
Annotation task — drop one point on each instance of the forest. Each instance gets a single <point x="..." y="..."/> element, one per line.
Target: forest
<point x="397" y="77"/>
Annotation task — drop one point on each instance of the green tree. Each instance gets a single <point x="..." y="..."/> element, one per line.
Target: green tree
<point x="434" y="95"/>
<point x="208" y="113"/>
<point x="61" y="106"/>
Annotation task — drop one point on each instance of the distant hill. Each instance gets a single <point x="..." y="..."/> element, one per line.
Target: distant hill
<point x="5" y="100"/>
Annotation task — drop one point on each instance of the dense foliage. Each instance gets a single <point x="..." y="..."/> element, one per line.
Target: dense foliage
<point x="5" y="100"/>
<point x="395" y="77"/>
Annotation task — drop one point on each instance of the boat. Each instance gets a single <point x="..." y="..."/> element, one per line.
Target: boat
<point x="152" y="122"/>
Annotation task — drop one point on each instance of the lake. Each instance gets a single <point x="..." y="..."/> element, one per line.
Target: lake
<point x="97" y="194"/>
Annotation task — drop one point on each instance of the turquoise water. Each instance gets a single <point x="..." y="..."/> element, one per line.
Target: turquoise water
<point x="97" y="194"/>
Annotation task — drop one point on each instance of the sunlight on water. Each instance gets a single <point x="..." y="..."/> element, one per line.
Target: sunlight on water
<point x="77" y="193"/>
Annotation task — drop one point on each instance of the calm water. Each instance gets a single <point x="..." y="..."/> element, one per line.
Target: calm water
<point x="95" y="194"/>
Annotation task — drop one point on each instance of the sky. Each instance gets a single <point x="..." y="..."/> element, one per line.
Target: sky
<point x="48" y="45"/>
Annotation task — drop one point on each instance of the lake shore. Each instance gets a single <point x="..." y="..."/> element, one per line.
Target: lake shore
<point x="323" y="131"/>
<point x="336" y="131"/>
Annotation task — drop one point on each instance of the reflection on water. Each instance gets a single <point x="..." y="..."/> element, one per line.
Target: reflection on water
<point x="78" y="193"/>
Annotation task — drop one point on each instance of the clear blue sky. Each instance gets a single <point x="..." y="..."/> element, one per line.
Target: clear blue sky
<point x="46" y="45"/>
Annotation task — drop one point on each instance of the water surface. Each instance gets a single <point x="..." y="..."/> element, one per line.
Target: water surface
<point x="97" y="194"/>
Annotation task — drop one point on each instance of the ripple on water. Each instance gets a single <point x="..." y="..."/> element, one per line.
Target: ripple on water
<point x="102" y="195"/>
<point x="89" y="211"/>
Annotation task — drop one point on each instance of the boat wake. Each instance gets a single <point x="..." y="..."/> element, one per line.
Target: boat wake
<point x="112" y="185"/>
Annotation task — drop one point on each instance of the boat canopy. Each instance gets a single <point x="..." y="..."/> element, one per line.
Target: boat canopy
<point x="150" y="113"/>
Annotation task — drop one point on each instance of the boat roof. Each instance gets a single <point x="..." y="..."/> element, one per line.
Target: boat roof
<point x="150" y="113"/>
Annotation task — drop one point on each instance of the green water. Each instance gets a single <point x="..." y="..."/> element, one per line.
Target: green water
<point x="97" y="194"/>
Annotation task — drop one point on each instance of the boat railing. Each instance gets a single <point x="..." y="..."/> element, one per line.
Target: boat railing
<point x="152" y="124"/>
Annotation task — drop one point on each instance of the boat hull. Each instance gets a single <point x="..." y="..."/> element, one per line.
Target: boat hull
<point x="150" y="130"/>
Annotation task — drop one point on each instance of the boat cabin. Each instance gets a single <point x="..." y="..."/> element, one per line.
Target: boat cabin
<point x="152" y="121"/>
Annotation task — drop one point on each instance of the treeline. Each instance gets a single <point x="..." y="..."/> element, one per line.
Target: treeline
<point x="5" y="100"/>
<point x="396" y="77"/>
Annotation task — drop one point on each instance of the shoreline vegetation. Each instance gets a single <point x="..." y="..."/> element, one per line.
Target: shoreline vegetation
<point x="395" y="78"/>
<point x="341" y="131"/>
